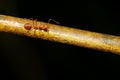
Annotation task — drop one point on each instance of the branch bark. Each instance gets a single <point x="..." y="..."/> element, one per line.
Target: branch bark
<point x="62" y="34"/>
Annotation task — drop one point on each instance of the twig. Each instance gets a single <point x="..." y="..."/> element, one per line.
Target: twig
<point x="62" y="34"/>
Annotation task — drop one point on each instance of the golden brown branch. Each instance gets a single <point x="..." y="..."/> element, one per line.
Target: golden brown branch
<point x="62" y="34"/>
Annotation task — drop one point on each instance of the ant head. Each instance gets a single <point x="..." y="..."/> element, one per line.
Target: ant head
<point x="45" y="28"/>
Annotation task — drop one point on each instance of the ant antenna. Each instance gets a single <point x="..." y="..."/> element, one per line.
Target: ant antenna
<point x="53" y="21"/>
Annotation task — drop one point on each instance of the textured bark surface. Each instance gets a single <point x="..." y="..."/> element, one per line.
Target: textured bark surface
<point x="62" y="34"/>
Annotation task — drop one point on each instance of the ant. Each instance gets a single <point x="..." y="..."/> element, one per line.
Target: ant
<point x="35" y="26"/>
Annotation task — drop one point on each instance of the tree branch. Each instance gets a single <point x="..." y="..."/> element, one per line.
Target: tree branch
<point x="62" y="34"/>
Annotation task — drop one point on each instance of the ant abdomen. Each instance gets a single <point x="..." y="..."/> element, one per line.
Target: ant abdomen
<point x="28" y="26"/>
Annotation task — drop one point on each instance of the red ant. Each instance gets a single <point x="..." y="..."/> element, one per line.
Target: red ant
<point x="29" y="26"/>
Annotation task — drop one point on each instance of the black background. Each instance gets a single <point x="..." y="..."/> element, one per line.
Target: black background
<point x="25" y="58"/>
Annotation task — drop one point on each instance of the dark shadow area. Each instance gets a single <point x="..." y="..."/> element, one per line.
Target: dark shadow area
<point x="25" y="58"/>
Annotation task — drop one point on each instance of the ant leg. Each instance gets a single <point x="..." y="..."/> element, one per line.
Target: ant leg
<point x="35" y="23"/>
<point x="35" y="26"/>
